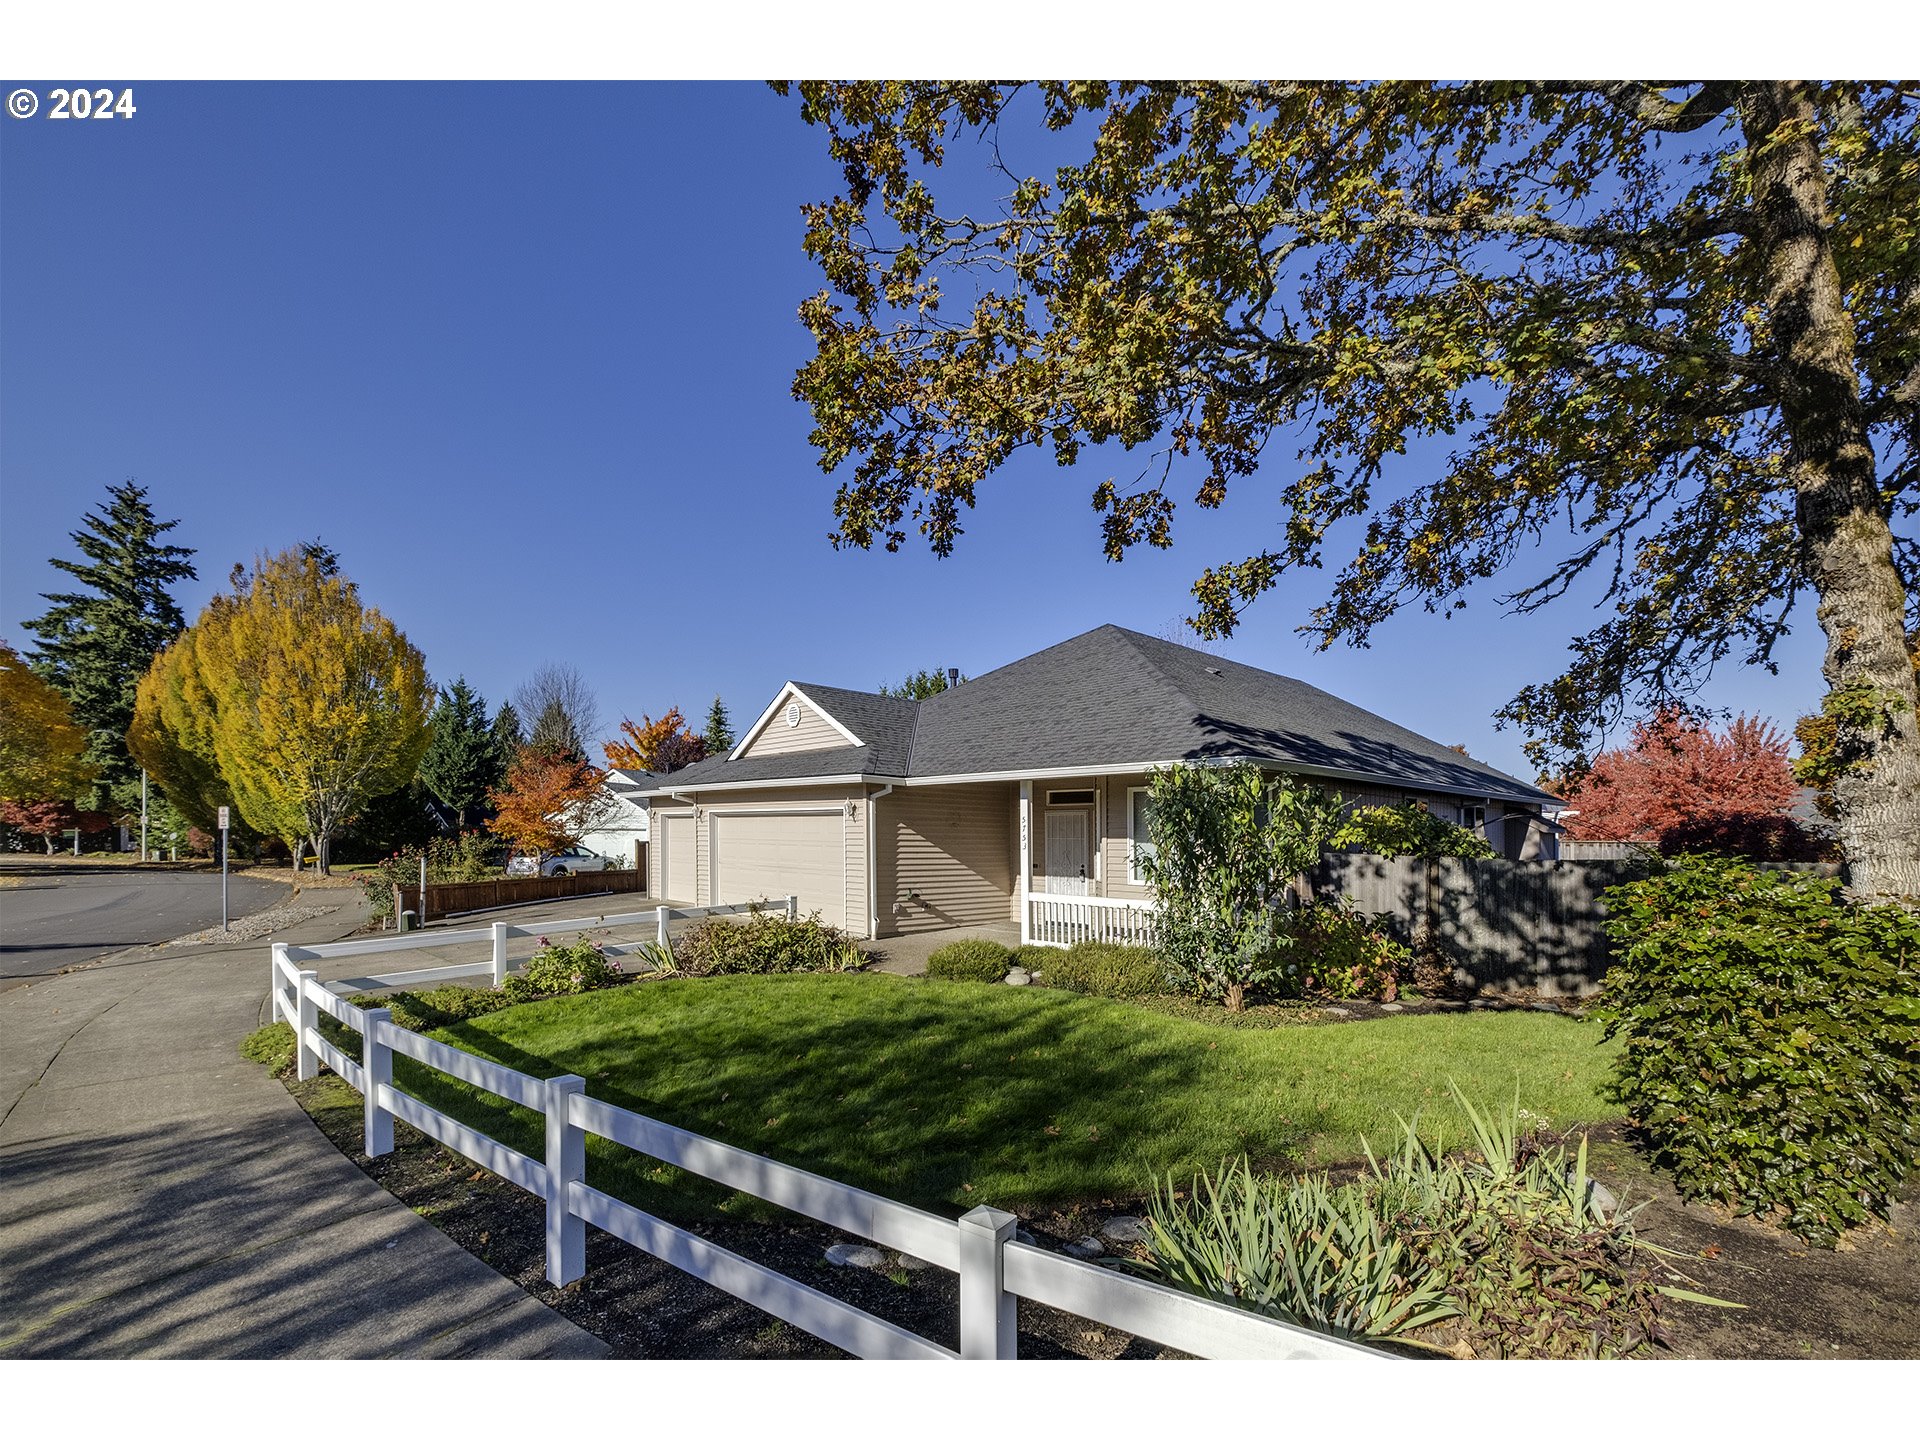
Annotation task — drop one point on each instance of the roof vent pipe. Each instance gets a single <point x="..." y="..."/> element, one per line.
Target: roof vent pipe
<point x="953" y="676"/>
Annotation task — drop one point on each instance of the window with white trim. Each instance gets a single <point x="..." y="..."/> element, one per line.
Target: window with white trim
<point x="1139" y="808"/>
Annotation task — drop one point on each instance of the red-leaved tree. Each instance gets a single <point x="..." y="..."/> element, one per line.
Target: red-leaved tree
<point x="47" y="820"/>
<point x="1678" y="771"/>
<point x="549" y="802"/>
<point x="657" y="745"/>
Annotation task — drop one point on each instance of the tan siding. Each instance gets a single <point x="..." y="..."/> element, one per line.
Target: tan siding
<point x="1115" y="853"/>
<point x="948" y="844"/>
<point x="780" y="738"/>
<point x="668" y="859"/>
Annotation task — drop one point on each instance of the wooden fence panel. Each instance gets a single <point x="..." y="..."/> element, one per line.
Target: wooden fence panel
<point x="470" y="895"/>
<point x="1501" y="924"/>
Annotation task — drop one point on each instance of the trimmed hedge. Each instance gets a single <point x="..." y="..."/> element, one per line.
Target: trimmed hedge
<point x="1772" y="1057"/>
<point x="1094" y="967"/>
<point x="984" y="961"/>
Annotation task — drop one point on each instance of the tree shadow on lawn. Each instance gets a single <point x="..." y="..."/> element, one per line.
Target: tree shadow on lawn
<point x="946" y="1095"/>
<point x="1015" y="1100"/>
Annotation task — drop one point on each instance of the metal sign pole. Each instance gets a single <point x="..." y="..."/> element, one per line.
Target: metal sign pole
<point x="226" y="841"/>
<point x="143" y="817"/>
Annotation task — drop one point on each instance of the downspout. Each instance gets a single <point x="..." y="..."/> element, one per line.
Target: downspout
<point x="873" y="875"/>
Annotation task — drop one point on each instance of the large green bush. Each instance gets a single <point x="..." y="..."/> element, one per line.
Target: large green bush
<point x="1409" y="829"/>
<point x="766" y="943"/>
<point x="1506" y="1247"/>
<point x="1772" y="1056"/>
<point x="1095" y="967"/>
<point x="451" y="859"/>
<point x="1336" y="953"/>
<point x="985" y="961"/>
<point x="1228" y="843"/>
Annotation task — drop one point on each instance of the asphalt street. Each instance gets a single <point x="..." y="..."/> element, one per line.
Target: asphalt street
<point x="55" y="913"/>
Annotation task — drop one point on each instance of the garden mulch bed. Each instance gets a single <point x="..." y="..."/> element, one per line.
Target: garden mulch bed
<point x="1860" y="1301"/>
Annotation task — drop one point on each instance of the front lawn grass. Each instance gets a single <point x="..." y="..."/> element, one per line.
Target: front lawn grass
<point x="947" y="1095"/>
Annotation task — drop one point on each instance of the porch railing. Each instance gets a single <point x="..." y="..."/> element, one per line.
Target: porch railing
<point x="1062" y="920"/>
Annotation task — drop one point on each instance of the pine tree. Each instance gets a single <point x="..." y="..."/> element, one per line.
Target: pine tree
<point x="919" y="685"/>
<point x="96" y="642"/>
<point x="508" y="736"/>
<point x="719" y="736"/>
<point x="462" y="760"/>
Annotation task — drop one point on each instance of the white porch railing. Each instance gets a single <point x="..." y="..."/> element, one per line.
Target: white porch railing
<point x="1062" y="920"/>
<point x="995" y="1270"/>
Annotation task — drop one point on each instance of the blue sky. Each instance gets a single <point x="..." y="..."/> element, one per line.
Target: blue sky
<point x="522" y="353"/>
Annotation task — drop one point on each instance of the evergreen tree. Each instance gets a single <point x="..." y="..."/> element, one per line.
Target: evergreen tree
<point x="719" y="736"/>
<point x="508" y="737"/>
<point x="462" y="759"/>
<point x="554" y="733"/>
<point x="95" y="642"/>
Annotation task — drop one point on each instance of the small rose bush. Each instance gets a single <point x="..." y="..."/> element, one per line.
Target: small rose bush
<point x="564" y="970"/>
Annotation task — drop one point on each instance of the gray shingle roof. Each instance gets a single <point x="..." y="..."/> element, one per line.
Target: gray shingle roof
<point x="1115" y="697"/>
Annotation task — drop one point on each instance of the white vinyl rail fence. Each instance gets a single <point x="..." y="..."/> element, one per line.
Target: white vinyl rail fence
<point x="995" y="1270"/>
<point x="1058" y="921"/>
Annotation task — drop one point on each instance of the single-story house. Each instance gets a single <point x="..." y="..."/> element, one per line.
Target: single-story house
<point x="623" y="834"/>
<point x="1018" y="797"/>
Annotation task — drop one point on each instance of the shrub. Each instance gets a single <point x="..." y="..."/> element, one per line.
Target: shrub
<point x="450" y="859"/>
<point x="1755" y="837"/>
<point x="986" y="961"/>
<point x="1228" y="841"/>
<point x="1508" y="1246"/>
<point x="563" y="970"/>
<point x="1772" y="1056"/>
<point x="1336" y="952"/>
<point x="1093" y="967"/>
<point x="1409" y="829"/>
<point x="766" y="943"/>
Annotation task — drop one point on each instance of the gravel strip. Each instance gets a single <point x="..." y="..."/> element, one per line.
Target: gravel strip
<point x="255" y="926"/>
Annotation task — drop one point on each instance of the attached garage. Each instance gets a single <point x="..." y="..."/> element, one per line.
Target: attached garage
<point x="675" y="838"/>
<point x="768" y="855"/>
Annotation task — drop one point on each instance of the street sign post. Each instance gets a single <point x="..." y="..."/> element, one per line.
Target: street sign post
<point x="223" y="867"/>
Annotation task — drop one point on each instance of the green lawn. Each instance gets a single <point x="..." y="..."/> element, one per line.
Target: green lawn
<point x="949" y="1095"/>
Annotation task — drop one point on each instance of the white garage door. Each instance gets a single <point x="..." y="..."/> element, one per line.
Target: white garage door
<point x="772" y="856"/>
<point x="676" y="871"/>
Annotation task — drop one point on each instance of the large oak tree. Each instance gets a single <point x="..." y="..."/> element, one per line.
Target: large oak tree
<point x="1670" y="329"/>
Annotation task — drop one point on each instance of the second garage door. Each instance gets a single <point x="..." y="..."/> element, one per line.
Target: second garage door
<point x="676" y="865"/>
<point x="771" y="856"/>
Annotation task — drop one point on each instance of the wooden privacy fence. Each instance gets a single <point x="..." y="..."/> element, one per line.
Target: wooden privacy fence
<point x="465" y="896"/>
<point x="1501" y="924"/>
<point x="996" y="1270"/>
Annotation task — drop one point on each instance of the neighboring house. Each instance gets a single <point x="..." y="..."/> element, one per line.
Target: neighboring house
<point x="1018" y="797"/>
<point x="624" y="835"/>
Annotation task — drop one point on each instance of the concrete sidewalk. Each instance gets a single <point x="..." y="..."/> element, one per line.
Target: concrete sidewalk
<point x="164" y="1197"/>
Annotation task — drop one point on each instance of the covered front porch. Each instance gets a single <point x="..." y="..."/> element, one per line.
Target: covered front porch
<point x="1077" y="872"/>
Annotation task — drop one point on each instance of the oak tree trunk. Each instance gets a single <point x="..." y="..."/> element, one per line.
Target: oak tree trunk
<point x="1845" y="537"/>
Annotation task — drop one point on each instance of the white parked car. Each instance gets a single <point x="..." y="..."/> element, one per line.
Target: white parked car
<point x="568" y="862"/>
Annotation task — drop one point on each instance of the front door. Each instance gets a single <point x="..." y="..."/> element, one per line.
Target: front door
<point x="1066" y="852"/>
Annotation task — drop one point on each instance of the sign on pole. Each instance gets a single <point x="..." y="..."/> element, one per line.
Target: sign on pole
<point x="223" y="867"/>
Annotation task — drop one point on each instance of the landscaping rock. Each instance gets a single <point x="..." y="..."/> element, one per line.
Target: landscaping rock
<point x="1343" y="1013"/>
<point x="1017" y="976"/>
<point x="1085" y="1248"/>
<point x="1023" y="1236"/>
<point x="1392" y="1005"/>
<point x="865" y="1257"/>
<point x="1602" y="1196"/>
<point x="1545" y="1005"/>
<point x="1124" y="1230"/>
<point x="911" y="1262"/>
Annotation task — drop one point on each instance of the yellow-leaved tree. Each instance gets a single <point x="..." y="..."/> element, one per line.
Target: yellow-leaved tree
<point x="172" y="734"/>
<point x="305" y="703"/>
<point x="42" y="752"/>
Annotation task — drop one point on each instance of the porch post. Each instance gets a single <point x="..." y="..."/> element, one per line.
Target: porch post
<point x="1026" y="861"/>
